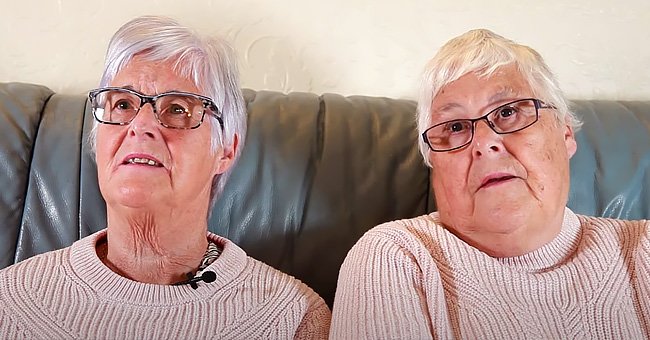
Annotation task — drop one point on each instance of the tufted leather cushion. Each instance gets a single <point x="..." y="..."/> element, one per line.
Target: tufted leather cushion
<point x="610" y="173"/>
<point x="316" y="172"/>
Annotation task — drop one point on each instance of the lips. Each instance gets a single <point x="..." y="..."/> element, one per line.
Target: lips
<point x="495" y="179"/>
<point x="140" y="159"/>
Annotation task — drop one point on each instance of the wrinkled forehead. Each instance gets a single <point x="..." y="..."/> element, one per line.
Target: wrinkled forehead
<point x="476" y="91"/>
<point x="153" y="77"/>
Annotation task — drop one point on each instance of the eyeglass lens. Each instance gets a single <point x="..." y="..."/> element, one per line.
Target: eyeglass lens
<point x="174" y="110"/>
<point x="507" y="118"/>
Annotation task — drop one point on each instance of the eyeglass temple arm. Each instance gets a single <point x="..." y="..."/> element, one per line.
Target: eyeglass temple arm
<point x="542" y="105"/>
<point x="217" y="114"/>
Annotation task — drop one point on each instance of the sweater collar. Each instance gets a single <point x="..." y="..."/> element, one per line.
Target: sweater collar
<point x="552" y="253"/>
<point x="110" y="286"/>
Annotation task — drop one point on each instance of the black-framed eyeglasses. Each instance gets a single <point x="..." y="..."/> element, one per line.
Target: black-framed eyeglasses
<point x="174" y="109"/>
<point x="507" y="118"/>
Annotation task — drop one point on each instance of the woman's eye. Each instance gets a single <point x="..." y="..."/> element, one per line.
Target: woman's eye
<point x="507" y="112"/>
<point x="123" y="105"/>
<point x="455" y="127"/>
<point x="176" y="109"/>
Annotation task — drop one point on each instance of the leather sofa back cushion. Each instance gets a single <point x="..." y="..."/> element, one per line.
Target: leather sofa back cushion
<point x="316" y="172"/>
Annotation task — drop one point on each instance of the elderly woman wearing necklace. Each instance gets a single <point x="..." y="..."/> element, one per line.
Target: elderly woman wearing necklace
<point x="170" y="122"/>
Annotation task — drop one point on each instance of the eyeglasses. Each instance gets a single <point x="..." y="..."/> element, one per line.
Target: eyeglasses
<point x="174" y="109"/>
<point x="508" y="118"/>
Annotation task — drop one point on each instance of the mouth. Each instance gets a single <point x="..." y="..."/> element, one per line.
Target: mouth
<point x="495" y="180"/>
<point x="142" y="161"/>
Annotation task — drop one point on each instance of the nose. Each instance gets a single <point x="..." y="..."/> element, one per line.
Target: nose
<point x="486" y="142"/>
<point x="144" y="123"/>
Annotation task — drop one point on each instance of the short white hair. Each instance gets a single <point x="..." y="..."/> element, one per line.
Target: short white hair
<point x="209" y="61"/>
<point x="483" y="52"/>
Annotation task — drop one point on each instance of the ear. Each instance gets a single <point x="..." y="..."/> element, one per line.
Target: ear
<point x="570" y="140"/>
<point x="227" y="157"/>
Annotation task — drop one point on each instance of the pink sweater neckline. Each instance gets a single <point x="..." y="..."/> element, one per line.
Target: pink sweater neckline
<point x="110" y="286"/>
<point x="559" y="250"/>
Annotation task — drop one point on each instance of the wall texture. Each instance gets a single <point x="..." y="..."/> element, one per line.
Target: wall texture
<point x="598" y="48"/>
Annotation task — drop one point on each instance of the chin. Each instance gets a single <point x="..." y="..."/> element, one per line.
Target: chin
<point x="504" y="214"/>
<point x="131" y="196"/>
<point x="134" y="202"/>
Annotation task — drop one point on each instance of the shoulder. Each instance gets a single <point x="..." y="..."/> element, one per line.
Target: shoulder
<point x="277" y="284"/>
<point x="414" y="235"/>
<point x="24" y="285"/>
<point x="44" y="273"/>
<point x="394" y="270"/>
<point x="627" y="236"/>
<point x="283" y="301"/>
<point x="622" y="229"/>
<point x="405" y="229"/>
<point x="35" y="267"/>
<point x="268" y="284"/>
<point x="419" y="245"/>
<point x="43" y="268"/>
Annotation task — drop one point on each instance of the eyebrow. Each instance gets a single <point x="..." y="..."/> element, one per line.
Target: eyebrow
<point x="130" y="87"/>
<point x="448" y="107"/>
<point x="504" y="92"/>
<point x="443" y="114"/>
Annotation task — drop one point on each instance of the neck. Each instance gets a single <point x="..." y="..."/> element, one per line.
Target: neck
<point x="155" y="249"/>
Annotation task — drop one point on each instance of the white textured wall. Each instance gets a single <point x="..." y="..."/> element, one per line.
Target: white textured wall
<point x="598" y="48"/>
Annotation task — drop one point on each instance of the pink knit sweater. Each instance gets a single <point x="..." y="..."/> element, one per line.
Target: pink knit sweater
<point x="413" y="279"/>
<point x="69" y="293"/>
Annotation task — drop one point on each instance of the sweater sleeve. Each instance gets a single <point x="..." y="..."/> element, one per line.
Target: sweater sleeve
<point x="380" y="293"/>
<point x="316" y="323"/>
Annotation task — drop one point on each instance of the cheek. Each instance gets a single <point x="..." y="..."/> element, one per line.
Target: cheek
<point x="449" y="179"/>
<point x="106" y="144"/>
<point x="193" y="157"/>
<point x="546" y="165"/>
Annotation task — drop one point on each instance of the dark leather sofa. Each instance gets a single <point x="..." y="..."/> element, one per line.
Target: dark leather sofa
<point x="315" y="174"/>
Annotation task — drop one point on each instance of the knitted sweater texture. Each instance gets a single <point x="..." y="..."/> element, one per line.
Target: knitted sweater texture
<point x="70" y="293"/>
<point x="413" y="279"/>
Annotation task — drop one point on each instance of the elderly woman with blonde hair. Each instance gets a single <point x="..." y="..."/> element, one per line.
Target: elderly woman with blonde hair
<point x="170" y="123"/>
<point x="503" y="257"/>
